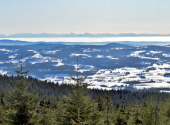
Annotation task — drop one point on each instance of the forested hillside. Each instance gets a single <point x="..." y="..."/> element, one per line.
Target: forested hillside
<point x="51" y="90"/>
<point x="27" y="100"/>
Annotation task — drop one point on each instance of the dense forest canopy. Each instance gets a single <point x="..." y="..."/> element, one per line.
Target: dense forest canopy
<point x="26" y="100"/>
<point x="47" y="103"/>
<point x="52" y="90"/>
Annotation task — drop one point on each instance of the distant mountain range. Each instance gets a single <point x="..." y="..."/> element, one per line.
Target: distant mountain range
<point x="40" y="45"/>
<point x="28" y="35"/>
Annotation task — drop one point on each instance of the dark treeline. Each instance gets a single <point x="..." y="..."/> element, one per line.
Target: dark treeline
<point x="29" y="101"/>
<point x="53" y="90"/>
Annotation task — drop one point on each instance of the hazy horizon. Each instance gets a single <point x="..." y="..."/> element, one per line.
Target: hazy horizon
<point x="94" y="39"/>
<point x="81" y="16"/>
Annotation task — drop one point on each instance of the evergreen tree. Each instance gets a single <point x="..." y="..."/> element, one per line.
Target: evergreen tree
<point x="128" y="111"/>
<point x="46" y="115"/>
<point x="165" y="112"/>
<point x="120" y="116"/>
<point x="23" y="103"/>
<point x="100" y="102"/>
<point x="134" y="118"/>
<point x="149" y="112"/>
<point x="2" y="97"/>
<point x="108" y="109"/>
<point x="80" y="110"/>
<point x="58" y="107"/>
<point x="5" y="108"/>
<point x="3" y="117"/>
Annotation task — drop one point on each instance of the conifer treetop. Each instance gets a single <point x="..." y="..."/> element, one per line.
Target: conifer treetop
<point x="78" y="78"/>
<point x="21" y="71"/>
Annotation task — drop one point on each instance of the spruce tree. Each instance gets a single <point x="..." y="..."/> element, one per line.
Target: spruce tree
<point x="120" y="116"/>
<point x="58" y="107"/>
<point x="100" y="102"/>
<point x="108" y="109"/>
<point x="165" y="112"/>
<point x="3" y="117"/>
<point x="23" y="103"/>
<point x="80" y="109"/>
<point x="5" y="108"/>
<point x="149" y="112"/>
<point x="46" y="115"/>
<point x="134" y="113"/>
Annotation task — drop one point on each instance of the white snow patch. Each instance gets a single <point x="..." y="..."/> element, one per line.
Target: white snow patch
<point x="73" y="55"/>
<point x="58" y="60"/>
<point x="84" y="68"/>
<point x="136" y="53"/>
<point x="59" y="64"/>
<point x="149" y="58"/>
<point x="155" y="52"/>
<point x="91" y="50"/>
<point x="38" y="61"/>
<point x="34" y="51"/>
<point x="6" y="50"/>
<point x="152" y="85"/>
<point x="12" y="56"/>
<point x="51" y="52"/>
<point x="99" y="56"/>
<point x="165" y="91"/>
<point x="99" y="87"/>
<point x="14" y="61"/>
<point x="3" y="72"/>
<point x="110" y="57"/>
<point x="118" y="48"/>
<point x="166" y="54"/>
<point x="37" y="55"/>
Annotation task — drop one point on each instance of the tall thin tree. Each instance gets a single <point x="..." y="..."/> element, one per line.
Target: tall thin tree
<point x="79" y="108"/>
<point x="23" y="105"/>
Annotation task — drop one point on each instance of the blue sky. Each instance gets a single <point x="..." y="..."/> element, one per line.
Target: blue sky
<point x="80" y="16"/>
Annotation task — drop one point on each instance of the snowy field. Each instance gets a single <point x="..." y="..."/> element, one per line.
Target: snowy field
<point x="109" y="66"/>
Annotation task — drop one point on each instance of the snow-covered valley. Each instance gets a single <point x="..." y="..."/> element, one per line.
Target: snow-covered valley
<point x="110" y="66"/>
